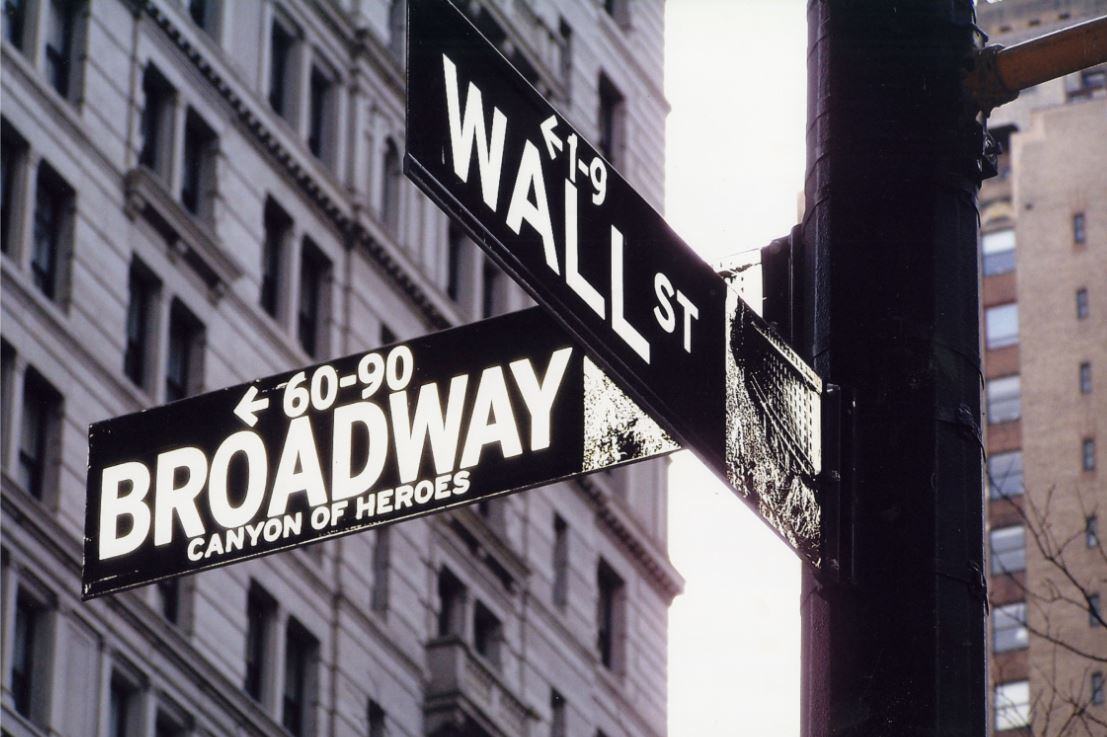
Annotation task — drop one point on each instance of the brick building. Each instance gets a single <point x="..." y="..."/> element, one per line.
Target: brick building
<point x="1044" y="256"/>
<point x="200" y="192"/>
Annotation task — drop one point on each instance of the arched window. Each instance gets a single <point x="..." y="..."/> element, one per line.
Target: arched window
<point x="390" y="191"/>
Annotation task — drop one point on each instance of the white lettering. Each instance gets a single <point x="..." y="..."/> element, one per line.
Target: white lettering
<point x="170" y="499"/>
<point x="622" y="328"/>
<point x="428" y="421"/>
<point x="343" y="484"/>
<point x="226" y="515"/>
<point x="299" y="453"/>
<point x="536" y="213"/>
<point x="113" y="506"/>
<point x="467" y="129"/>
<point x="573" y="278"/>
<point x="492" y="420"/>
<point x="539" y="397"/>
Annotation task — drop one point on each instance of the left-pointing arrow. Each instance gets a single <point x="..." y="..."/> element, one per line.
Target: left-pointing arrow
<point x="248" y="407"/>
<point x="552" y="141"/>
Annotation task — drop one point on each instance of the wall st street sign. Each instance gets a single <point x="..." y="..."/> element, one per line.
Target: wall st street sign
<point x="549" y="208"/>
<point x="390" y="434"/>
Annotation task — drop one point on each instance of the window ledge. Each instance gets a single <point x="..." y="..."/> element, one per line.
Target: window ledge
<point x="462" y="688"/>
<point x="188" y="237"/>
<point x="488" y="546"/>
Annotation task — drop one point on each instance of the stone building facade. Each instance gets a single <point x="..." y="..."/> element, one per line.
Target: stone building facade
<point x="200" y="192"/>
<point x="1044" y="256"/>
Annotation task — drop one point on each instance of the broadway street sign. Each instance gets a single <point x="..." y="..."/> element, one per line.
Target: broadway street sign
<point x="553" y="212"/>
<point x="391" y="434"/>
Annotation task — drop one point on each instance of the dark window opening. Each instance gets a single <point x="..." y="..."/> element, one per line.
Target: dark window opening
<point x="314" y="267"/>
<point x="490" y="296"/>
<point x="53" y="202"/>
<point x="277" y="227"/>
<point x="612" y="120"/>
<point x="451" y="603"/>
<point x="14" y="19"/>
<point x="1081" y="304"/>
<point x="281" y="41"/>
<point x="185" y="332"/>
<point x="156" y="121"/>
<point x="1091" y="531"/>
<point x="11" y="161"/>
<point x="320" y="91"/>
<point x="390" y="193"/>
<point x="608" y="613"/>
<point x="1079" y="228"/>
<point x="29" y="616"/>
<point x="1086" y="377"/>
<point x="1087" y="454"/>
<point x="299" y="657"/>
<point x="168" y="592"/>
<point x="387" y="335"/>
<point x="561" y="562"/>
<point x="119" y="707"/>
<point x="487" y="634"/>
<point x="197" y="165"/>
<point x="41" y="414"/>
<point x="259" y="612"/>
<point x="376" y="718"/>
<point x="61" y="16"/>
<point x="141" y="289"/>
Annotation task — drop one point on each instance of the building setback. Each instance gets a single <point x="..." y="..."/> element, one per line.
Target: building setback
<point x="1044" y="256"/>
<point x="198" y="193"/>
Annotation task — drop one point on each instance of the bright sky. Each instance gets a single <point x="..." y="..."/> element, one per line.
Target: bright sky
<point x="735" y="77"/>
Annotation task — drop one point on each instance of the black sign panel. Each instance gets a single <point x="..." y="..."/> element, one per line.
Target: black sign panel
<point x="554" y="213"/>
<point x="394" y="433"/>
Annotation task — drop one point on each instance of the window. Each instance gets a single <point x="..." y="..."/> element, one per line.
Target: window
<point x="619" y="10"/>
<point x="320" y="114"/>
<point x="167" y="595"/>
<point x="260" y="608"/>
<point x="299" y="680"/>
<point x="998" y="249"/>
<point x="1079" y="228"/>
<point x="204" y="13"/>
<point x="387" y="337"/>
<point x="1087" y="454"/>
<point x="1009" y="628"/>
<point x="198" y="166"/>
<point x="157" y="121"/>
<point x="314" y="271"/>
<point x="612" y="120"/>
<point x="121" y="705"/>
<point x="1004" y="399"/>
<point x="61" y="19"/>
<point x="609" y="614"/>
<point x="1091" y="531"/>
<point x="1081" y="303"/>
<point x="1008" y="547"/>
<point x="557" y="714"/>
<point x="451" y="604"/>
<point x="53" y="207"/>
<point x="1097" y="687"/>
<point x="277" y="225"/>
<point x="28" y="656"/>
<point x="565" y="65"/>
<point x="390" y="191"/>
<point x="15" y="21"/>
<point x="1012" y="705"/>
<point x="166" y="725"/>
<point x="455" y="241"/>
<point x="1005" y="474"/>
<point x="1086" y="377"/>
<point x="39" y="432"/>
<point x="142" y="288"/>
<point x="491" y="294"/>
<point x="1095" y="613"/>
<point x="12" y="150"/>
<point x="382" y="556"/>
<point x="487" y="634"/>
<point x="561" y="562"/>
<point x="376" y="719"/>
<point x="1001" y="325"/>
<point x="281" y="41"/>
<point x="183" y="366"/>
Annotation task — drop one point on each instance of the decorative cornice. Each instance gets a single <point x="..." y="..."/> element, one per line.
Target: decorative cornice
<point x="659" y="572"/>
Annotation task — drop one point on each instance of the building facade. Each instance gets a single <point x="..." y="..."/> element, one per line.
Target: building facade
<point x="201" y="192"/>
<point x="1044" y="290"/>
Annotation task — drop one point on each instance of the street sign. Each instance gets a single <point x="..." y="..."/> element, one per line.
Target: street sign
<point x="391" y="434"/>
<point x="555" y="214"/>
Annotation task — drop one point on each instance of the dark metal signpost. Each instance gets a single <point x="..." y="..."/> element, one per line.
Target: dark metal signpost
<point x="391" y="434"/>
<point x="554" y="214"/>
